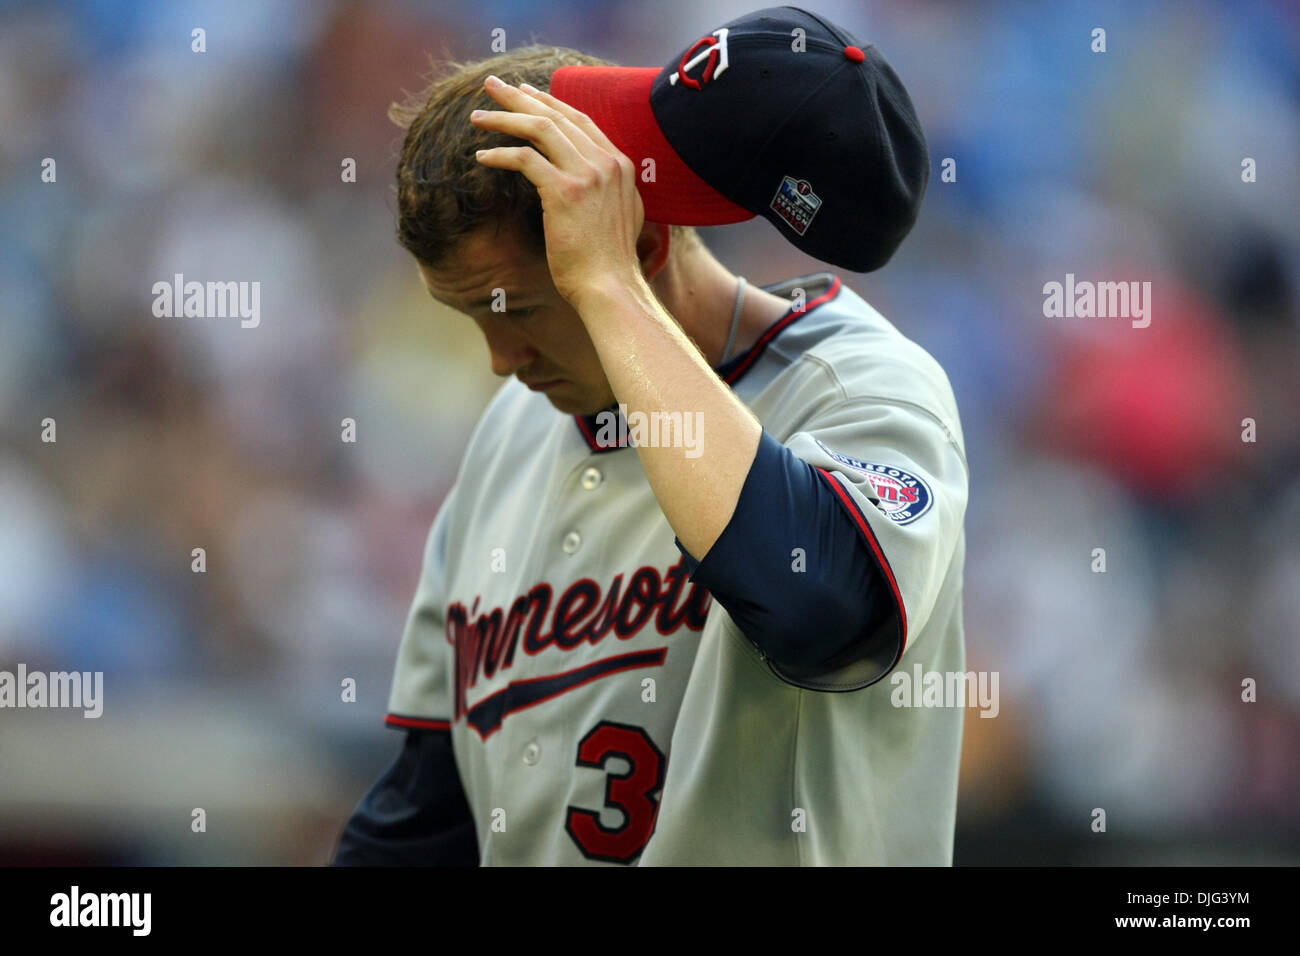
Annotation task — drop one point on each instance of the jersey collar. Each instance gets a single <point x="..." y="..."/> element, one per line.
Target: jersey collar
<point x="730" y="371"/>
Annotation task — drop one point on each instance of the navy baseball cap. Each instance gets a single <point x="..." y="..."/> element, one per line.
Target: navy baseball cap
<point x="779" y="113"/>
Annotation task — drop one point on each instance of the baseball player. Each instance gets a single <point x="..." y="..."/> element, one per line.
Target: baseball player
<point x="701" y="521"/>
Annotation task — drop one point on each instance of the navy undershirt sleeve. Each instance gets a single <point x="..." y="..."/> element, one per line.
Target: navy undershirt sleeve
<point x="815" y="617"/>
<point x="416" y="814"/>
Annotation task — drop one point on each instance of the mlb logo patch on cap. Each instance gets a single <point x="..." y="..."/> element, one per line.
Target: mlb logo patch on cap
<point x="796" y="203"/>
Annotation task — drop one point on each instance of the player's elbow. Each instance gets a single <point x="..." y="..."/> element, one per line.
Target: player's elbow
<point x="815" y="627"/>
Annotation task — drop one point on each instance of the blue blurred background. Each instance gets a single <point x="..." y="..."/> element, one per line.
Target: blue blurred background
<point x="1119" y="690"/>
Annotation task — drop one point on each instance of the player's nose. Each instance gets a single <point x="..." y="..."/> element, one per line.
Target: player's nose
<point x="509" y="352"/>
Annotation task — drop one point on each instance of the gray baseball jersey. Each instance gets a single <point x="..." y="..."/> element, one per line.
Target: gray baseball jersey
<point x="603" y="708"/>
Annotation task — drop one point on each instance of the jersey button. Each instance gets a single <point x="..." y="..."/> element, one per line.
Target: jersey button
<point x="591" y="479"/>
<point x="532" y="752"/>
<point x="572" y="542"/>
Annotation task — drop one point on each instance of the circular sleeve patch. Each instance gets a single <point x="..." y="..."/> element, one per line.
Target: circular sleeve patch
<point x="901" y="496"/>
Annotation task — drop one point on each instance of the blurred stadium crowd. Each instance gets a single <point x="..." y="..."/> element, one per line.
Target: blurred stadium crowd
<point x="1119" y="690"/>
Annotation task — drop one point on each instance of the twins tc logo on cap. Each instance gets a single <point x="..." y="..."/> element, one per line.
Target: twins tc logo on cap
<point x="902" y="496"/>
<point x="714" y="48"/>
<point x="796" y="203"/>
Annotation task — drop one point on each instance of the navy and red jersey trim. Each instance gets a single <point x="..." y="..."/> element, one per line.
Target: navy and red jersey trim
<point x="420" y="723"/>
<point x="747" y="359"/>
<point x="864" y="528"/>
<point x="735" y="368"/>
<point x="587" y="425"/>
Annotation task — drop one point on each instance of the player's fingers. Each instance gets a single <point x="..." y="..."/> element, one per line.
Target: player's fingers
<point x="603" y="148"/>
<point x="541" y="131"/>
<point x="528" y="99"/>
<point x="522" y="159"/>
<point x="574" y="115"/>
<point x="520" y="101"/>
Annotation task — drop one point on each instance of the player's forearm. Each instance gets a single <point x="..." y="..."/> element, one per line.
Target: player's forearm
<point x="653" y="367"/>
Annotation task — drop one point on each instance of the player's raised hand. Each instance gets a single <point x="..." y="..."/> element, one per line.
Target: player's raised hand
<point x="591" y="210"/>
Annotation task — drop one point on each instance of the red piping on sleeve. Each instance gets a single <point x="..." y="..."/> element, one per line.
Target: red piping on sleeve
<point x="860" y="520"/>
<point x="397" y="720"/>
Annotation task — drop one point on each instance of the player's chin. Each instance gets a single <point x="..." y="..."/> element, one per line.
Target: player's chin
<point x="571" y="399"/>
<point x="567" y="398"/>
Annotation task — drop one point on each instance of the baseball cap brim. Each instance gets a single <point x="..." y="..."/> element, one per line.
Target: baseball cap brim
<point x="617" y="98"/>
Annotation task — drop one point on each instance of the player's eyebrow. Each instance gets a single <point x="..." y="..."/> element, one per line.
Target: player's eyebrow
<point x="480" y="303"/>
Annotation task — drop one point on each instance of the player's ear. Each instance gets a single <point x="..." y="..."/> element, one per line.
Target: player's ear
<point x="652" y="248"/>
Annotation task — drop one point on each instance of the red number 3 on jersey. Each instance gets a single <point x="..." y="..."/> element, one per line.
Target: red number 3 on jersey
<point x="633" y="792"/>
